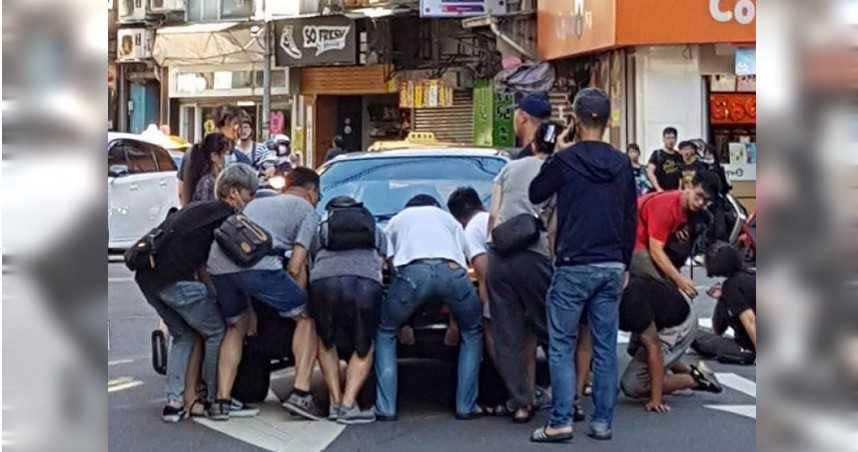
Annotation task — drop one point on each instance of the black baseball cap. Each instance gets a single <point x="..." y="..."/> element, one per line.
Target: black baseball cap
<point x="592" y="103"/>
<point x="536" y="104"/>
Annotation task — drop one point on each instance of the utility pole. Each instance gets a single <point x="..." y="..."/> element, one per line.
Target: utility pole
<point x="266" y="74"/>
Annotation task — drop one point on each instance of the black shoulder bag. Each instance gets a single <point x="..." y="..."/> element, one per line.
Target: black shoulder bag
<point x="517" y="234"/>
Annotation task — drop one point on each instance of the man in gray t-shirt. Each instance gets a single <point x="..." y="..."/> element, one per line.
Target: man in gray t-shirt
<point x="292" y="222"/>
<point x="518" y="282"/>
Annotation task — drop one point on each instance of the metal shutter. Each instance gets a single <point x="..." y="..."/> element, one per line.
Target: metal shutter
<point x="454" y="124"/>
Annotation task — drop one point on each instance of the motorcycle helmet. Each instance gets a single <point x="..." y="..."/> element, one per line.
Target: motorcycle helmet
<point x="279" y="144"/>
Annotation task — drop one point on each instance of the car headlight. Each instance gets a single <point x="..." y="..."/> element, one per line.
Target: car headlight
<point x="277" y="182"/>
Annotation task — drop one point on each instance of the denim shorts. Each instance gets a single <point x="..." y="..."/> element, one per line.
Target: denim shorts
<point x="275" y="288"/>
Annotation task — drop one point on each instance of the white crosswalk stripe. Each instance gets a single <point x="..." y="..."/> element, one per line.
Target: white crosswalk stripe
<point x="743" y="385"/>
<point x="276" y="430"/>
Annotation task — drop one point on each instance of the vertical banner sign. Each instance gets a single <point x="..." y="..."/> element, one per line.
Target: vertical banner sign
<point x="483" y="112"/>
<point x="504" y="135"/>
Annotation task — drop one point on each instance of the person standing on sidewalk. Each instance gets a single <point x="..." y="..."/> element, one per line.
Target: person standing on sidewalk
<point x="664" y="169"/>
<point x="427" y="270"/>
<point x="180" y="290"/>
<point x="596" y="215"/>
<point x="519" y="277"/>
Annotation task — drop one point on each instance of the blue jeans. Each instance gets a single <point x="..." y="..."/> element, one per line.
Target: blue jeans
<point x="415" y="284"/>
<point x="597" y="287"/>
<point x="188" y="309"/>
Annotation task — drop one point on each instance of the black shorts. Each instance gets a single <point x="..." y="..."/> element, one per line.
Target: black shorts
<point x="346" y="312"/>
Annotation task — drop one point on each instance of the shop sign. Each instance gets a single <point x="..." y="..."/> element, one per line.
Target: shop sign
<point x="462" y="8"/>
<point x="743" y="12"/>
<point x="314" y="41"/>
<point x="746" y="61"/>
<point x="425" y="94"/>
<point x="743" y="162"/>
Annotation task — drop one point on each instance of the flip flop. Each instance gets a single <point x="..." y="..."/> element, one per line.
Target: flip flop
<point x="540" y="436"/>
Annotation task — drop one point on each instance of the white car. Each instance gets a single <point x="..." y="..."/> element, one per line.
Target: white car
<point x="141" y="187"/>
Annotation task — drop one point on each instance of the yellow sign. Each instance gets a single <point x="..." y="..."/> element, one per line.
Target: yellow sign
<point x="425" y="94"/>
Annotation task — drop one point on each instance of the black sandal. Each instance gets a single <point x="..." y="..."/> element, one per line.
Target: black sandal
<point x="200" y="402"/>
<point x="541" y="436"/>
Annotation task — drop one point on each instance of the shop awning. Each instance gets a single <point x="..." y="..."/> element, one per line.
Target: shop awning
<point x="213" y="43"/>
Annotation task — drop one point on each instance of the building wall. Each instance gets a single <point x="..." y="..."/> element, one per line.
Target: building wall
<point x="669" y="91"/>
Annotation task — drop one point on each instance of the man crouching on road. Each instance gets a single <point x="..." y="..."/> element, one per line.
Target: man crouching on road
<point x="596" y="214"/>
<point x="665" y="325"/>
<point x="428" y="250"/>
<point x="291" y="220"/>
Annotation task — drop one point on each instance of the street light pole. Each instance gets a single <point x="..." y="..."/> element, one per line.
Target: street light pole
<point x="266" y="76"/>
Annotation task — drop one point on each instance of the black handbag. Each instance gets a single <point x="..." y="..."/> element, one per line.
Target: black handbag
<point x="517" y="234"/>
<point x="243" y="241"/>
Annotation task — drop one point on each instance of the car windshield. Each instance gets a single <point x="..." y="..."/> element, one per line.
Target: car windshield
<point x="385" y="184"/>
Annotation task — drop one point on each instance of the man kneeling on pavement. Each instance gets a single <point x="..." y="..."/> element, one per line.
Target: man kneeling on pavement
<point x="653" y="306"/>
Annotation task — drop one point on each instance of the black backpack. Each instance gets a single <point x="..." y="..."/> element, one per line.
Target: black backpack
<point x="349" y="226"/>
<point x="153" y="252"/>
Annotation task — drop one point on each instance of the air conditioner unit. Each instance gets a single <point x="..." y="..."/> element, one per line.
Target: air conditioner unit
<point x="167" y="6"/>
<point x="133" y="10"/>
<point x="134" y="44"/>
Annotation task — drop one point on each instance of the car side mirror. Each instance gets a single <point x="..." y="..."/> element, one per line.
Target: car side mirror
<point x="117" y="170"/>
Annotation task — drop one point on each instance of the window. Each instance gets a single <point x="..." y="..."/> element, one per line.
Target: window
<point x="232" y="9"/>
<point x="140" y="158"/>
<point x="116" y="156"/>
<point x="211" y="10"/>
<point x="165" y="160"/>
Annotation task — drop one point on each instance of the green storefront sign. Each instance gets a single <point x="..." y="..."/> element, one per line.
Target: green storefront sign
<point x="492" y="116"/>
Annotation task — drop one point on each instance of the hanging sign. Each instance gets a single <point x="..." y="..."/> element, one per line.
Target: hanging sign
<point x="425" y="94"/>
<point x="315" y="41"/>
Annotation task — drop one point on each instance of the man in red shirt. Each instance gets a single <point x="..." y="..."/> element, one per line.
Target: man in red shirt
<point x="660" y="215"/>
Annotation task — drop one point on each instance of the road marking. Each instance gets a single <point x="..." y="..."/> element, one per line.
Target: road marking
<point x="742" y="385"/>
<point x="738" y="383"/>
<point x="274" y="429"/>
<point x="120" y="279"/>
<point x="742" y="410"/>
<point x="119" y="361"/>
<point x="121" y="384"/>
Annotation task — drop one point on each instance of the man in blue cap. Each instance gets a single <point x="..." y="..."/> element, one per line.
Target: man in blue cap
<point x="531" y="111"/>
<point x="596" y="229"/>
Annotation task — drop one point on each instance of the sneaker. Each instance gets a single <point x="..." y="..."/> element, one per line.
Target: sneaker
<point x="173" y="415"/>
<point x="354" y="415"/>
<point x="578" y="414"/>
<point x="706" y="379"/>
<point x="588" y="389"/>
<point x="219" y="410"/>
<point x="304" y="406"/>
<point x="334" y="412"/>
<point x="542" y="398"/>
<point x="237" y="408"/>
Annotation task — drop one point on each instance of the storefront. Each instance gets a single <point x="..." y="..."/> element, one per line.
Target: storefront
<point x="196" y="92"/>
<point x="684" y="75"/>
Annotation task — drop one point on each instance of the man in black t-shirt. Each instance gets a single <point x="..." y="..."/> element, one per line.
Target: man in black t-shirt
<point x="665" y="165"/>
<point x="691" y="163"/>
<point x="178" y="288"/>
<point x="737" y="299"/>
<point x="662" y="321"/>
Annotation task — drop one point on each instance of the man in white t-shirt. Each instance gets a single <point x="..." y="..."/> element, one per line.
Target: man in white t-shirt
<point x="427" y="247"/>
<point x="467" y="208"/>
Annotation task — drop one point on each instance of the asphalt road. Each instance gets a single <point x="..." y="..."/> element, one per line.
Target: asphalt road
<point x="699" y="422"/>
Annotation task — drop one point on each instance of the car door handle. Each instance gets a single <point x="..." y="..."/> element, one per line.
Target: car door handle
<point x="133" y="187"/>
